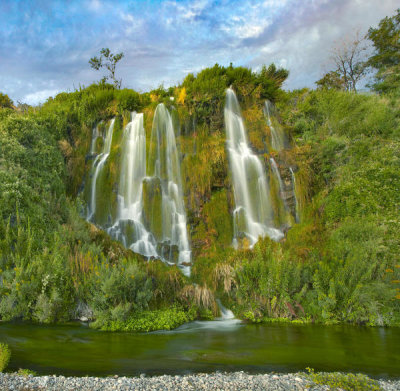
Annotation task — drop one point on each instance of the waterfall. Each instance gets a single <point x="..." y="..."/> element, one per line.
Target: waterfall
<point x="98" y="164"/>
<point x="277" y="174"/>
<point x="226" y="314"/>
<point x="294" y="193"/>
<point x="150" y="216"/>
<point x="253" y="216"/>
<point x="128" y="227"/>
<point x="164" y="208"/>
<point x="95" y="136"/>
<point x="277" y="134"/>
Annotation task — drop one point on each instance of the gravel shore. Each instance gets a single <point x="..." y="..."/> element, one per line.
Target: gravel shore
<point x="214" y="381"/>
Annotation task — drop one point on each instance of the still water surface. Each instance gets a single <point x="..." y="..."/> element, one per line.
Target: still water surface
<point x="203" y="347"/>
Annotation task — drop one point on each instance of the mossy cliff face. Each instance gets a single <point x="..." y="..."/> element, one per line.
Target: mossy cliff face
<point x="108" y="177"/>
<point x="152" y="206"/>
<point x="206" y="181"/>
<point x="339" y="179"/>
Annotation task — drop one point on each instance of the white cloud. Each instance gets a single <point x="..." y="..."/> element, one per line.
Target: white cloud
<point x="303" y="43"/>
<point x="165" y="41"/>
<point x="94" y="5"/>
<point x="133" y="24"/>
<point x="38" y="97"/>
<point x="242" y="29"/>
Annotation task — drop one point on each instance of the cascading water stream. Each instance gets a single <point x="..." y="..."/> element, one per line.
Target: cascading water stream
<point x="277" y="174"/>
<point x="95" y="135"/>
<point x="294" y="193"/>
<point x="98" y="164"/>
<point x="149" y="213"/>
<point x="226" y="314"/>
<point x="128" y="227"/>
<point x="277" y="135"/>
<point x="164" y="208"/>
<point x="253" y="216"/>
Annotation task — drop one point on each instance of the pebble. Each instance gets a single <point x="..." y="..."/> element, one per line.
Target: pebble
<point x="201" y="381"/>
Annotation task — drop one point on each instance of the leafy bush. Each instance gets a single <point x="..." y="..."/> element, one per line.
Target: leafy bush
<point x="26" y="372"/>
<point x="5" y="355"/>
<point x="349" y="381"/>
<point x="5" y="101"/>
<point x="146" y="321"/>
<point x="205" y="92"/>
<point x="119" y="290"/>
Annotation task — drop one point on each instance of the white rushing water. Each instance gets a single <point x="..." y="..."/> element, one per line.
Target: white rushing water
<point x="128" y="227"/>
<point x="253" y="216"/>
<point x="98" y="165"/>
<point x="150" y="216"/>
<point x="164" y="172"/>
<point x="95" y="135"/>
<point x="226" y="322"/>
<point x="226" y="314"/>
<point x="277" y="134"/>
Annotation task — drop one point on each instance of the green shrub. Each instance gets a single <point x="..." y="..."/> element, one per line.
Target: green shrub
<point x="26" y="372"/>
<point x="146" y="321"/>
<point x="5" y="355"/>
<point x="349" y="381"/>
<point x="5" y="101"/>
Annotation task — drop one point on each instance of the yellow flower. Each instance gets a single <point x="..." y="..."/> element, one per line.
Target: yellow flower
<point x="389" y="271"/>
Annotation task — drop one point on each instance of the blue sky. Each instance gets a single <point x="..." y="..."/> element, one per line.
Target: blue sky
<point x="45" y="45"/>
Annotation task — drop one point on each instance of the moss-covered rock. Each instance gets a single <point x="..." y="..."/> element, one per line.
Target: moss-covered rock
<point x="152" y="207"/>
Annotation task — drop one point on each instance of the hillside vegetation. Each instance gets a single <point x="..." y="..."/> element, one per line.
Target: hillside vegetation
<point x="338" y="262"/>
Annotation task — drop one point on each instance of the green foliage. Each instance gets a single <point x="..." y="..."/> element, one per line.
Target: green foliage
<point x="354" y="140"/>
<point x="386" y="59"/>
<point x="339" y="264"/>
<point x="342" y="114"/>
<point x="118" y="290"/>
<point x="5" y="101"/>
<point x="26" y="372"/>
<point x="145" y="321"/>
<point x="31" y="174"/>
<point x="343" y="381"/>
<point x="5" y="355"/>
<point x="331" y="80"/>
<point x="267" y="284"/>
<point x="109" y="61"/>
<point x="205" y="92"/>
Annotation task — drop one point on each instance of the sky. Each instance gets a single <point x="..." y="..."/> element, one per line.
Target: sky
<point x="45" y="45"/>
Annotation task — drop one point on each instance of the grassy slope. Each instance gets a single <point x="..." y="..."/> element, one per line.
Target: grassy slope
<point x="339" y="265"/>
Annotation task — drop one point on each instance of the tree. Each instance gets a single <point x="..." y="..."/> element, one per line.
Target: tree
<point x="271" y="80"/>
<point x="386" y="59"/>
<point x="332" y="81"/>
<point x="108" y="60"/>
<point x="5" y="101"/>
<point x="349" y="57"/>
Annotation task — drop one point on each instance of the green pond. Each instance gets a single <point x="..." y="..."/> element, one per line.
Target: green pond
<point x="75" y="349"/>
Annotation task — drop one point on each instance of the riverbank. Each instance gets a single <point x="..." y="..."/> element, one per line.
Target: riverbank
<point x="214" y="381"/>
